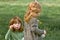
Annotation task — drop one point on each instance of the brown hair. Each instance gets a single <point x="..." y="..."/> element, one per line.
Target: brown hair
<point x="32" y="11"/>
<point x="13" y="20"/>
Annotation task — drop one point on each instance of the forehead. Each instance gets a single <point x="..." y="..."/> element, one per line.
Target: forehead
<point x="16" y="20"/>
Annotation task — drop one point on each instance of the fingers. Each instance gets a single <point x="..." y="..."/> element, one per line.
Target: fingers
<point x="11" y="26"/>
<point x="44" y="31"/>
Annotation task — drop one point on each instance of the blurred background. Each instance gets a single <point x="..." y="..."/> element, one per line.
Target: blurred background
<point x="49" y="17"/>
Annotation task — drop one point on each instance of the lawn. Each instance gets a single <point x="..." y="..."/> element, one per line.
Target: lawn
<point x="49" y="17"/>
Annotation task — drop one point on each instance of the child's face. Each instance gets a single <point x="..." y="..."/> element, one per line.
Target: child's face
<point x="36" y="14"/>
<point x="17" y="25"/>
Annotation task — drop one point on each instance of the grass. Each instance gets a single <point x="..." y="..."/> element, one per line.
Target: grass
<point x="49" y="18"/>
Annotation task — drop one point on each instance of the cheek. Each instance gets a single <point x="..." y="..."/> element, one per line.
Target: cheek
<point x="19" y="25"/>
<point x="35" y="14"/>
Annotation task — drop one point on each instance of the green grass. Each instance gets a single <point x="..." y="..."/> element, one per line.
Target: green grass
<point x="49" y="18"/>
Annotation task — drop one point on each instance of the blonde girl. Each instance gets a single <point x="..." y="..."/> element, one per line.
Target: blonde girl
<point x="31" y="30"/>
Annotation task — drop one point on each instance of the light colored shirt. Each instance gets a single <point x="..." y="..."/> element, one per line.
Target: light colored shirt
<point x="10" y="35"/>
<point x="31" y="30"/>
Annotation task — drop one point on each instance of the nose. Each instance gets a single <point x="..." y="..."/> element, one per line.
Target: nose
<point x="17" y="24"/>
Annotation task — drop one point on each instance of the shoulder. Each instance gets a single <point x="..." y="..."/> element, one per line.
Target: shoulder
<point x="32" y="19"/>
<point x="37" y="20"/>
<point x="9" y="31"/>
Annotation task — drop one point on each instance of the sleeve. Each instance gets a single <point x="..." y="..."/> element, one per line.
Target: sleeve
<point x="36" y="30"/>
<point x="7" y="36"/>
<point x="34" y="27"/>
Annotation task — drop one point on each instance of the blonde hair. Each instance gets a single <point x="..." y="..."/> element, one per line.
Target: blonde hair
<point x="34" y="5"/>
<point x="31" y="12"/>
<point x="13" y="20"/>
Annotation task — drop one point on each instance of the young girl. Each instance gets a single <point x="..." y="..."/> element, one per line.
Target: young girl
<point x="31" y="30"/>
<point x="15" y="31"/>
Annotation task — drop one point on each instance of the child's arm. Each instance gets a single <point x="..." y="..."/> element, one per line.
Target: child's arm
<point x="36" y="30"/>
<point x="7" y="35"/>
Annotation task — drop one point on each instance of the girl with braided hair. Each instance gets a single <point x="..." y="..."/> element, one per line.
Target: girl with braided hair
<point x="31" y="30"/>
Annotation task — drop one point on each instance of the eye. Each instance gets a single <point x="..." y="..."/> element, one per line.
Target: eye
<point x="36" y="12"/>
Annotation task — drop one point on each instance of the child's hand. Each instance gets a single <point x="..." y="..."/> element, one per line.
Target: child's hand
<point x="16" y="26"/>
<point x="45" y="32"/>
<point x="43" y="35"/>
<point x="11" y="26"/>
